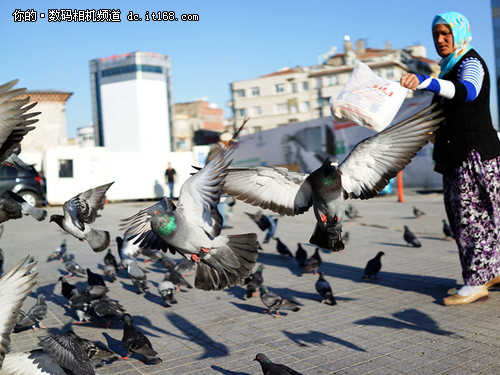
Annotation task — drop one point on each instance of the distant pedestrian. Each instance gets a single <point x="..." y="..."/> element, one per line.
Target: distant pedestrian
<point x="169" y="176"/>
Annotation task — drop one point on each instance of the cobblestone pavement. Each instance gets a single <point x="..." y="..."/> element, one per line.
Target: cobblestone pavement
<point x="394" y="325"/>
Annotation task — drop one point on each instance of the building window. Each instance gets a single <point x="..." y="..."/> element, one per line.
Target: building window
<point x="305" y="86"/>
<point x="319" y="84"/>
<point x="280" y="87"/>
<point x="294" y="87"/>
<point x="255" y="111"/>
<point x="322" y="102"/>
<point x="332" y="80"/>
<point x="255" y="91"/>
<point x="281" y="108"/>
<point x="305" y="107"/>
<point x="389" y="72"/>
<point x="257" y="129"/>
<point x="65" y="168"/>
<point x="240" y="93"/>
<point x="240" y="112"/>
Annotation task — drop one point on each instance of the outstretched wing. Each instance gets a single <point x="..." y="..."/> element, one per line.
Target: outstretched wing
<point x="374" y="161"/>
<point x="275" y="188"/>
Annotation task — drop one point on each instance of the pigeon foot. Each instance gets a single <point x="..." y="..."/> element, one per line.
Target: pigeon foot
<point x="205" y="250"/>
<point x="195" y="258"/>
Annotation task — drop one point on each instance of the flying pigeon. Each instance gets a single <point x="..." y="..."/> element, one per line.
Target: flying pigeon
<point x="82" y="210"/>
<point x="324" y="289"/>
<point x="448" y="232"/>
<point x="97" y="353"/>
<point x="194" y="228"/>
<point x="270" y="368"/>
<point x="410" y="238"/>
<point x="313" y="263"/>
<point x="417" y="212"/>
<point x="15" y="286"/>
<point x="363" y="174"/>
<point x="301" y="256"/>
<point x="73" y="268"/>
<point x="13" y="206"/>
<point x="254" y="281"/>
<point x="15" y="121"/>
<point x="58" y="253"/>
<point x="34" y="316"/>
<point x="136" y="342"/>
<point x="282" y="248"/>
<point x="166" y="289"/>
<point x="274" y="302"/>
<point x="373" y="266"/>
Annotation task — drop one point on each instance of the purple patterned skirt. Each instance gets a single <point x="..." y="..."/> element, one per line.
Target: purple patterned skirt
<point x="472" y="202"/>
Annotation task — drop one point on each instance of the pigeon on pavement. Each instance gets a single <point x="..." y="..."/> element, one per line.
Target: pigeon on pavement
<point x="110" y="260"/>
<point x="34" y="316"/>
<point x="97" y="353"/>
<point x="73" y="268"/>
<point x="82" y="210"/>
<point x="138" y="277"/>
<point x="373" y="266"/>
<point x="270" y="368"/>
<point x="58" y="253"/>
<point x="13" y="206"/>
<point x="352" y="212"/>
<point x="254" y="281"/>
<point x="66" y="289"/>
<point x="301" y="256"/>
<point x="136" y="342"/>
<point x="274" y="302"/>
<point x="282" y="248"/>
<point x="184" y="266"/>
<point x="176" y="278"/>
<point x="410" y="238"/>
<point x="418" y="212"/>
<point x="363" y="174"/>
<point x="94" y="278"/>
<point x="166" y="289"/>
<point x="265" y="222"/>
<point x="325" y="290"/>
<point x="313" y="263"/>
<point x="448" y="232"/>
<point x="15" y="122"/>
<point x="193" y="228"/>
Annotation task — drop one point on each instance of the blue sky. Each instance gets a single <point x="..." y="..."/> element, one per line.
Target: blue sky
<point x="234" y="40"/>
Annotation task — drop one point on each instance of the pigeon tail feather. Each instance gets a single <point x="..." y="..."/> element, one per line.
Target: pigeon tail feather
<point x="98" y="239"/>
<point x="38" y="213"/>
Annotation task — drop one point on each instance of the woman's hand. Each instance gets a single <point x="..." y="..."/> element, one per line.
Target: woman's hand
<point x="410" y="81"/>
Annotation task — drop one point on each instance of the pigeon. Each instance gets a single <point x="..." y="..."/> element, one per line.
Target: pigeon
<point x="351" y="212"/>
<point x="66" y="288"/>
<point x="110" y="272"/>
<point x="373" y="266"/>
<point x="166" y="261"/>
<point x="138" y="277"/>
<point x="176" y="278"/>
<point x="34" y="316"/>
<point x="264" y="222"/>
<point x="15" y="119"/>
<point x="345" y="238"/>
<point x="194" y="228"/>
<point x="274" y="302"/>
<point x="13" y="206"/>
<point x="107" y="309"/>
<point x="282" y="248"/>
<point x="410" y="238"/>
<point x="81" y="304"/>
<point x="301" y="256"/>
<point x="95" y="291"/>
<point x="150" y="255"/>
<point x="94" y="278"/>
<point x="254" y="281"/>
<point x="324" y="289"/>
<point x="73" y="268"/>
<point x="166" y="289"/>
<point x="313" y="263"/>
<point x="417" y="212"/>
<point x="58" y="253"/>
<point x="125" y="257"/>
<point x="269" y="368"/>
<point x="110" y="260"/>
<point x="136" y="342"/>
<point x="448" y="232"/>
<point x="184" y="266"/>
<point x="15" y="286"/>
<point x="363" y="174"/>
<point x="82" y="210"/>
<point x="97" y="353"/>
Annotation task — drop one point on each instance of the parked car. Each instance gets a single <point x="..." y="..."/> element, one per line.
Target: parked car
<point x="25" y="182"/>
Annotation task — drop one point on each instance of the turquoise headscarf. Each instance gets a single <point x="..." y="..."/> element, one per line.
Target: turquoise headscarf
<point x="462" y="37"/>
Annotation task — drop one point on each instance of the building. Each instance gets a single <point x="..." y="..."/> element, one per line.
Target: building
<point x="51" y="126"/>
<point x="132" y="101"/>
<point x="85" y="136"/>
<point x="302" y="93"/>
<point x="193" y="116"/>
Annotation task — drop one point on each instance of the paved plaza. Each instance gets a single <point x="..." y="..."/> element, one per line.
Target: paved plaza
<point x="394" y="325"/>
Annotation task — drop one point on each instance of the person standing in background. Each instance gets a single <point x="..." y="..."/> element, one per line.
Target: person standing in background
<point x="169" y="176"/>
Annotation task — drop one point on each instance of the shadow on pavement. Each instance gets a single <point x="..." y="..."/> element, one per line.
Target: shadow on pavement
<point x="228" y="372"/>
<point x="319" y="338"/>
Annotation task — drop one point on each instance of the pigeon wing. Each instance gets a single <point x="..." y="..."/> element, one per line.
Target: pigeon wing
<point x="275" y="188"/>
<point x="374" y="161"/>
<point x="88" y="202"/>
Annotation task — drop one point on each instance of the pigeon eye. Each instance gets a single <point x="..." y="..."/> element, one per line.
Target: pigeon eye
<point x="323" y="218"/>
<point x="335" y="218"/>
<point x="157" y="212"/>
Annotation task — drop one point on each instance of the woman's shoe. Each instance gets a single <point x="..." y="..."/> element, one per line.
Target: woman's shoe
<point x="457" y="299"/>
<point x="492" y="282"/>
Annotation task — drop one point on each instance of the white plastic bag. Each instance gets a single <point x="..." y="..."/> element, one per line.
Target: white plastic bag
<point x="368" y="100"/>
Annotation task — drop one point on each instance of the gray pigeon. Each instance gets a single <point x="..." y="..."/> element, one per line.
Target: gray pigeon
<point x="82" y="210"/>
<point x="325" y="290"/>
<point x="15" y="122"/>
<point x="166" y="289"/>
<point x="410" y="238"/>
<point x="136" y="342"/>
<point x="13" y="206"/>
<point x="34" y="316"/>
<point x="373" y="266"/>
<point x="97" y="353"/>
<point x="270" y="368"/>
<point x="363" y="174"/>
<point x="138" y="277"/>
<point x="418" y="212"/>
<point x="110" y="272"/>
<point x="73" y="268"/>
<point x="194" y="228"/>
<point x="274" y="302"/>
<point x="448" y="232"/>
<point x="58" y="253"/>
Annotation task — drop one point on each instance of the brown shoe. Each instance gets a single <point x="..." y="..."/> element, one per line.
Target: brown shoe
<point x="492" y="282"/>
<point x="457" y="299"/>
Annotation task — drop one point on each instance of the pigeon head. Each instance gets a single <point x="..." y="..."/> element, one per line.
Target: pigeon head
<point x="262" y="358"/>
<point x="57" y="218"/>
<point x="380" y="253"/>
